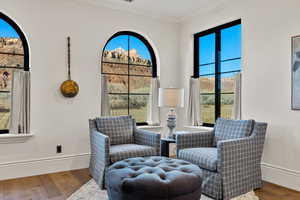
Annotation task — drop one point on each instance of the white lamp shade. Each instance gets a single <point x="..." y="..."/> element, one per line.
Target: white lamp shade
<point x="171" y="97"/>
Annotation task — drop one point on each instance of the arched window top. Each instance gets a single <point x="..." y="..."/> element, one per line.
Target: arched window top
<point x="14" y="55"/>
<point x="129" y="63"/>
<point x="130" y="48"/>
<point x="14" y="52"/>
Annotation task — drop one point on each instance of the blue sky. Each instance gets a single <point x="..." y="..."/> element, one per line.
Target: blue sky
<point x="134" y="43"/>
<point x="6" y="30"/>
<point x="230" y="48"/>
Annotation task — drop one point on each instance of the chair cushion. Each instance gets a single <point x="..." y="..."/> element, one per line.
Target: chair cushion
<point x="118" y="129"/>
<point x="206" y="158"/>
<point x="123" y="151"/>
<point x="226" y="129"/>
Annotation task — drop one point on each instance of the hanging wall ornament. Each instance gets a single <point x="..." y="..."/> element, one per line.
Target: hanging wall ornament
<point x="69" y="88"/>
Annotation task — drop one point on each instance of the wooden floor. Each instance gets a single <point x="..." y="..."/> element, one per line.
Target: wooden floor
<point x="56" y="186"/>
<point x="59" y="186"/>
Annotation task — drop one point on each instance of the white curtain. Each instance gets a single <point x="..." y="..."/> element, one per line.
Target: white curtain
<point x="194" y="102"/>
<point x="236" y="112"/>
<point x="153" y="116"/>
<point x="20" y="103"/>
<point x="105" y="105"/>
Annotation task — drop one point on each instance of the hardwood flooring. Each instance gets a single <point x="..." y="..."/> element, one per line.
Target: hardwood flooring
<point x="59" y="186"/>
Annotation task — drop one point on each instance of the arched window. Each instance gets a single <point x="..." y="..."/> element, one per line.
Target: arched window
<point x="14" y="55"/>
<point x="129" y="63"/>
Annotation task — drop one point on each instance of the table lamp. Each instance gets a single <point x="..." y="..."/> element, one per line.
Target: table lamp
<point x="172" y="98"/>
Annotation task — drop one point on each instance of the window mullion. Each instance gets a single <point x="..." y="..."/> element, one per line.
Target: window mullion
<point x="218" y="75"/>
<point x="196" y="57"/>
<point x="128" y="96"/>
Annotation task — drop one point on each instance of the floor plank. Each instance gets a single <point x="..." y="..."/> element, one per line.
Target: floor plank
<point x="83" y="176"/>
<point x="32" y="188"/>
<point x="274" y="192"/>
<point x="51" y="189"/>
<point x="65" y="182"/>
<point x="59" y="186"/>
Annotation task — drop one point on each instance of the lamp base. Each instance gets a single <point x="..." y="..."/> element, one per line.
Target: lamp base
<point x="171" y="123"/>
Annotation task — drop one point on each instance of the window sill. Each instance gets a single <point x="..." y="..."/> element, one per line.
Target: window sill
<point x="148" y="127"/>
<point x="203" y="128"/>
<point x="14" y="138"/>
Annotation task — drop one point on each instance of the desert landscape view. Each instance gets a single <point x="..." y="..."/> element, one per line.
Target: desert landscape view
<point x="134" y="75"/>
<point x="11" y="56"/>
<point x="127" y="72"/>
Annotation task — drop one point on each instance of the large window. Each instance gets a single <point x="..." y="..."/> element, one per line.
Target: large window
<point x="217" y="59"/>
<point x="129" y="63"/>
<point x="14" y="55"/>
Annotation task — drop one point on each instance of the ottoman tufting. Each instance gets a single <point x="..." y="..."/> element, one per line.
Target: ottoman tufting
<point x="153" y="178"/>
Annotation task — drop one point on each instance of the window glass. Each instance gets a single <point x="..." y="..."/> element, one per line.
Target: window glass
<point x="227" y="94"/>
<point x="207" y="50"/>
<point x="217" y="79"/>
<point x="139" y="53"/>
<point x="138" y="107"/>
<point x="129" y="65"/>
<point x="116" y="50"/>
<point x="231" y="42"/>
<point x="118" y="104"/>
<point x="12" y="57"/>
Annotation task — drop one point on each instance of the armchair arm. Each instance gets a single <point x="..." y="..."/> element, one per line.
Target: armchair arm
<point x="195" y="139"/>
<point x="99" y="156"/>
<point x="238" y="164"/>
<point x="148" y="138"/>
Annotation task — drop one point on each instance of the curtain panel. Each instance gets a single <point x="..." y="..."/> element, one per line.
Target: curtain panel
<point x="153" y="111"/>
<point x="20" y="103"/>
<point x="194" y="103"/>
<point x="105" y="105"/>
<point x="236" y="112"/>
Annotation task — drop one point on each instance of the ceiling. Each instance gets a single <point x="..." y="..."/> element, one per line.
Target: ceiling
<point x="172" y="10"/>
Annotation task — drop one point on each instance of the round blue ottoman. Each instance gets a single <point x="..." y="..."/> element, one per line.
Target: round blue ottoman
<point x="153" y="178"/>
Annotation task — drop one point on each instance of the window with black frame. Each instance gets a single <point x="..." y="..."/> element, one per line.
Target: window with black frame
<point x="129" y="63"/>
<point x="14" y="55"/>
<point x="217" y="60"/>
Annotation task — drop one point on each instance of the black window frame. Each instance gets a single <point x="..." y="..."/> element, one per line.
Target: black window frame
<point x="25" y="52"/>
<point x="153" y="65"/>
<point x="217" y="31"/>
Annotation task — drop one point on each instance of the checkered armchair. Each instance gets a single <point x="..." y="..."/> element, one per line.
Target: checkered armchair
<point x="229" y="156"/>
<point x="117" y="138"/>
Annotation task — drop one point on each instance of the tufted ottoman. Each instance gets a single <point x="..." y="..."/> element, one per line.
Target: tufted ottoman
<point x="153" y="178"/>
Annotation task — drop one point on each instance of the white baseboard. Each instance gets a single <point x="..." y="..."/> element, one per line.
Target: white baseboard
<point x="48" y="165"/>
<point x="281" y="176"/>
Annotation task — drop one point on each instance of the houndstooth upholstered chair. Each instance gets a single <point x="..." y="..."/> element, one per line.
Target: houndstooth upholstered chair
<point x="117" y="138"/>
<point x="229" y="156"/>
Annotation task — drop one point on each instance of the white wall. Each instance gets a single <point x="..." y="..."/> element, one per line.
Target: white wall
<point x="267" y="27"/>
<point x="57" y="120"/>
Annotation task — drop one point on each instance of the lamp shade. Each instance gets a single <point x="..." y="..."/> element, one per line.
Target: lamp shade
<point x="171" y="97"/>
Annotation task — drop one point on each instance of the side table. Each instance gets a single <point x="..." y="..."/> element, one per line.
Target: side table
<point x="164" y="146"/>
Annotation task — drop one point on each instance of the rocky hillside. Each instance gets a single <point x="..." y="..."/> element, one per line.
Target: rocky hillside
<point x="208" y="84"/>
<point x="11" y="45"/>
<point x="120" y="55"/>
<point x="14" y="46"/>
<point x="140" y="67"/>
